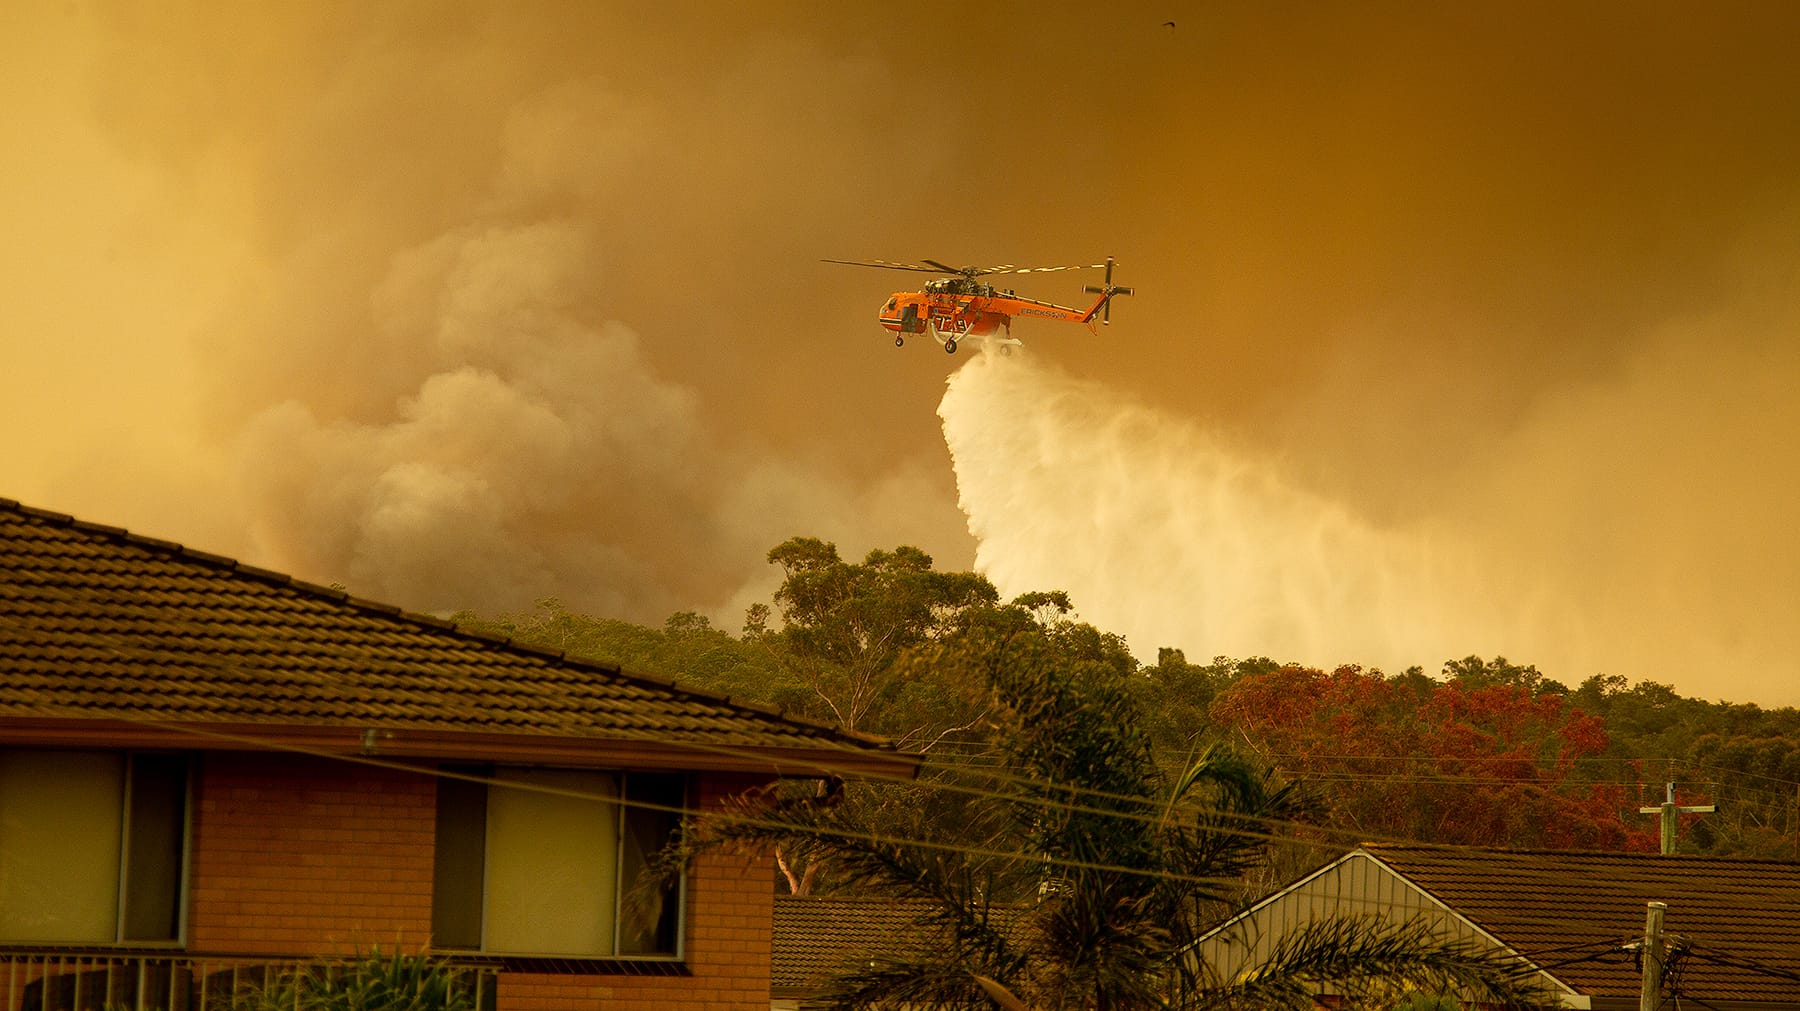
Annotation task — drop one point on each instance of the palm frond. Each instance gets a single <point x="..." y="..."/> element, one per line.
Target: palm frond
<point x="917" y="983"/>
<point x="1373" y="959"/>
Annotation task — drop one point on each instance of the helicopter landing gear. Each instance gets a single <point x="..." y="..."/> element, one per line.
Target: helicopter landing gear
<point x="899" y="342"/>
<point x="950" y="345"/>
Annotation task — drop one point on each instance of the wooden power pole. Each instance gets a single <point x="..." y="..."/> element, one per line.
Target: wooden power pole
<point x="1654" y="952"/>
<point x="1670" y="823"/>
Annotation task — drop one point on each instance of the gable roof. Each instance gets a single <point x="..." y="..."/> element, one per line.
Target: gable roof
<point x="108" y="638"/>
<point x="1573" y="913"/>
<point x="1577" y="917"/>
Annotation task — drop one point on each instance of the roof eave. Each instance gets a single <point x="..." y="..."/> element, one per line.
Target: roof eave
<point x="404" y="745"/>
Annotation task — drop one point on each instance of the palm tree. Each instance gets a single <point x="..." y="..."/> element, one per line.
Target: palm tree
<point x="1077" y="872"/>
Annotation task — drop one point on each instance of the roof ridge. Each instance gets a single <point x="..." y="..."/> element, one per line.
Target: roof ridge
<point x="338" y="595"/>
<point x="1549" y="852"/>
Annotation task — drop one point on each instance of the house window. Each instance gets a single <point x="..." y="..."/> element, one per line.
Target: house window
<point x="92" y="846"/>
<point x="543" y="862"/>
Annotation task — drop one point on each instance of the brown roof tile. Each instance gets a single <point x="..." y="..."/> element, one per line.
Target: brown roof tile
<point x="818" y="937"/>
<point x="1573" y="913"/>
<point x="99" y="624"/>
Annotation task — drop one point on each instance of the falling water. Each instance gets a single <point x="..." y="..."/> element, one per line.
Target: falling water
<point x="1165" y="533"/>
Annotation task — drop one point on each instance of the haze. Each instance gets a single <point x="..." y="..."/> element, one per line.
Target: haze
<point x="1462" y="330"/>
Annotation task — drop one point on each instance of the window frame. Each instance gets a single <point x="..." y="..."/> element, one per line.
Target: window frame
<point x="124" y="872"/>
<point x="461" y="778"/>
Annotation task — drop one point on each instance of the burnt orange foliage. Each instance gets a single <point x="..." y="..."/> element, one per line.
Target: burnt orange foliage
<point x="1410" y="758"/>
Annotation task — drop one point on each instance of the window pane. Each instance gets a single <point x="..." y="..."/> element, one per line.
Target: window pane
<point x="158" y="818"/>
<point x="551" y="863"/>
<point x="648" y="917"/>
<point x="60" y="823"/>
<point x="457" y="872"/>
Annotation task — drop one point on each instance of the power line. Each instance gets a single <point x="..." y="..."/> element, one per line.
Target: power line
<point x="355" y="662"/>
<point x="1035" y="789"/>
<point x="1708" y="954"/>
<point x="344" y="680"/>
<point x="875" y="839"/>
<point x="582" y="728"/>
<point x="408" y="672"/>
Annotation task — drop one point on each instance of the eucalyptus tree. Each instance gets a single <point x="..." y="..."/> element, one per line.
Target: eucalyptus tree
<point x="1079" y="872"/>
<point x="843" y="630"/>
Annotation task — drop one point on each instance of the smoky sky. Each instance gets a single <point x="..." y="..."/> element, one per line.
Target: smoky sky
<point x="466" y="305"/>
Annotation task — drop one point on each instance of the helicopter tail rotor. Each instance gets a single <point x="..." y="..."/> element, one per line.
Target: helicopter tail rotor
<point x="1108" y="289"/>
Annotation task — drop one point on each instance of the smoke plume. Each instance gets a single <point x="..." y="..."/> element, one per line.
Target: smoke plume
<point x="485" y="317"/>
<point x="1571" y="547"/>
<point x="1462" y="328"/>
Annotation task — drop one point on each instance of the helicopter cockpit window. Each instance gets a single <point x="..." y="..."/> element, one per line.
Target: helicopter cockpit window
<point x="890" y="305"/>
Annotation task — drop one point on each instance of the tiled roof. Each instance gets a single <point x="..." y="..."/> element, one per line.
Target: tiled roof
<point x="821" y="936"/>
<point x="98" y="624"/>
<point x="1572" y="913"/>
<point x="817" y="937"/>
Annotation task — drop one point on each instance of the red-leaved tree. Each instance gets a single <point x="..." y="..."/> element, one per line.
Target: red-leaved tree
<point x="1410" y="758"/>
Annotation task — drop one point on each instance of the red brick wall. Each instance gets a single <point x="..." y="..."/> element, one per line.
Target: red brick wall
<point x="297" y="855"/>
<point x="294" y="854"/>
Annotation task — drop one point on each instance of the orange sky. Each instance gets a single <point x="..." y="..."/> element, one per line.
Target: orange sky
<point x="464" y="305"/>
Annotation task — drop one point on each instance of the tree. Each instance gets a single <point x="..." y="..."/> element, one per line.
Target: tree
<point x="686" y="649"/>
<point x="1084" y="871"/>
<point x="1176" y="695"/>
<point x="845" y="628"/>
<point x="843" y="650"/>
<point x="1738" y="756"/>
<point x="1474" y="672"/>
<point x="1510" y="775"/>
<point x="1476" y="761"/>
<point x="1755" y="780"/>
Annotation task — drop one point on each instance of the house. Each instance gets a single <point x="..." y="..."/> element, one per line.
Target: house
<point x="1575" y="918"/>
<point x="208" y="768"/>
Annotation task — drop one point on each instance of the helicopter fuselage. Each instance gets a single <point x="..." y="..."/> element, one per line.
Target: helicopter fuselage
<point x="960" y="305"/>
<point x="954" y="315"/>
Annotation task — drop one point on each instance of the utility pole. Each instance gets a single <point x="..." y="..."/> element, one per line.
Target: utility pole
<point x="1650" y="996"/>
<point x="1670" y="824"/>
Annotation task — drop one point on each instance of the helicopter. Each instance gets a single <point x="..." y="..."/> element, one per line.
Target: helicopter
<point x="962" y="305"/>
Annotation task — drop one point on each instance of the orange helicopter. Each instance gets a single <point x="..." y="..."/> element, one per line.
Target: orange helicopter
<point x="959" y="306"/>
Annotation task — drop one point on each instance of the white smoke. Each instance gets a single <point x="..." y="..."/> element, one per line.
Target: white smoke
<point x="430" y="395"/>
<point x="538" y="454"/>
<point x="1164" y="532"/>
<point x="530" y="438"/>
<point x="1166" y="535"/>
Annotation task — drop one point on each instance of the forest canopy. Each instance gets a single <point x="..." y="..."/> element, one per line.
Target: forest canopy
<point x="1484" y="752"/>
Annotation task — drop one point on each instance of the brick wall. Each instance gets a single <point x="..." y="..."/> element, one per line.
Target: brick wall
<point x="729" y="928"/>
<point x="294" y="854"/>
<point x="298" y="855"/>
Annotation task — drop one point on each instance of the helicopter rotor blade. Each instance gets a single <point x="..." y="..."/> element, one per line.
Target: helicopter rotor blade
<point x="938" y="267"/>
<point x="892" y="266"/>
<point x="1045" y="270"/>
